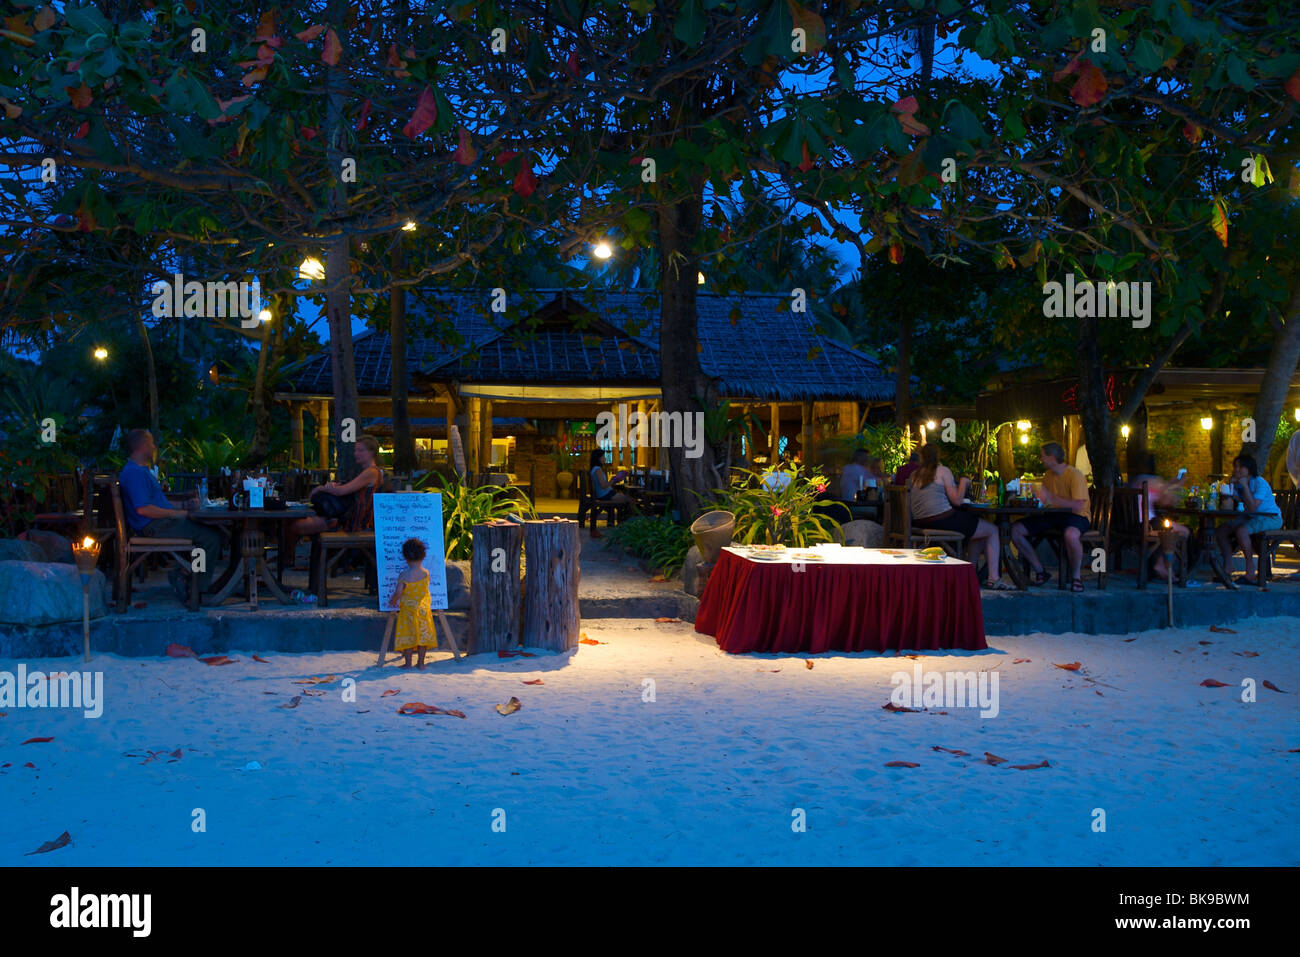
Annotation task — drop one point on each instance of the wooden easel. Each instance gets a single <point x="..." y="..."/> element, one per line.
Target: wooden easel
<point x="391" y="625"/>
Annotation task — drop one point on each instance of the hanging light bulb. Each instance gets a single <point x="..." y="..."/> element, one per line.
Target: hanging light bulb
<point x="602" y="250"/>
<point x="311" y="268"/>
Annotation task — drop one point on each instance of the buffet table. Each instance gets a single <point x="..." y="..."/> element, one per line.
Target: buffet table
<point x="851" y="599"/>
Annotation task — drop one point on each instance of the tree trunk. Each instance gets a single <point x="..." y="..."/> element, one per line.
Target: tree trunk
<point x="152" y="373"/>
<point x="1099" y="429"/>
<point x="494" y="593"/>
<point x="550" y="618"/>
<point x="338" y="264"/>
<point x="903" y="374"/>
<point x="1277" y="379"/>
<point x="257" y="447"/>
<point x="403" y="443"/>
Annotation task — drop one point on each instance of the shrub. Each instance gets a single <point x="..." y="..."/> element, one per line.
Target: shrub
<point x="660" y="541"/>
<point x="773" y="517"/>
<point x="464" y="507"/>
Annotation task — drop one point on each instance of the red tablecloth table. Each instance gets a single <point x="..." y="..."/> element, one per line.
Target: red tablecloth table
<point x="857" y="600"/>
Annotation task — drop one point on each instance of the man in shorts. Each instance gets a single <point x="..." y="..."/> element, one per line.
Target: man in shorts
<point x="1063" y="486"/>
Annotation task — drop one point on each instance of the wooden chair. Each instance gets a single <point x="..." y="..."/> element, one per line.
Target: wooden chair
<point x="899" y="530"/>
<point x="328" y="548"/>
<point x="61" y="504"/>
<point x="1097" y="535"/>
<point x="1266" y="543"/>
<point x="1130" y="524"/>
<point x="589" y="504"/>
<point x="133" y="549"/>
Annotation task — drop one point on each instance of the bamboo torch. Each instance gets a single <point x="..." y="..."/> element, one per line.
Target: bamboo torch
<point x="86" y="555"/>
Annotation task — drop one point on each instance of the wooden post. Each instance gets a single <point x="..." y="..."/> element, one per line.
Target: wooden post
<point x="1006" y="453"/>
<point x="774" y="437"/>
<point x="295" y="433"/>
<point x="485" y="435"/>
<point x="323" y="434"/>
<point x="806" y="439"/>
<point x="642" y="451"/>
<point x="551" y="619"/>
<point x="471" y="438"/>
<point x="494" y="592"/>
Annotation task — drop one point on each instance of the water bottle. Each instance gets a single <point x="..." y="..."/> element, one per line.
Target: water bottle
<point x="203" y="490"/>
<point x="1214" y="498"/>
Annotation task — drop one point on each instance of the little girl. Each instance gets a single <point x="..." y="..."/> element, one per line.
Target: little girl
<point x="415" y="613"/>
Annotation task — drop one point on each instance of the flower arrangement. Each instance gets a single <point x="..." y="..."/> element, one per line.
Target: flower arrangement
<point x="776" y="508"/>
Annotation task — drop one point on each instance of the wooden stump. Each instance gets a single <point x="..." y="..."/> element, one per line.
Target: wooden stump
<point x="551" y="618"/>
<point x="494" y="603"/>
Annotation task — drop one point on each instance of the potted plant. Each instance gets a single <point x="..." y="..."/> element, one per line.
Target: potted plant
<point x="564" y="461"/>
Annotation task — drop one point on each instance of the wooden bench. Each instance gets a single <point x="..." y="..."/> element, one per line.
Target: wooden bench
<point x="588" y="504"/>
<point x="328" y="548"/>
<point x="141" y="547"/>
<point x="1266" y="543"/>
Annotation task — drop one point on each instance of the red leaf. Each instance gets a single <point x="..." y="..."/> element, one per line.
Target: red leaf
<point x="218" y="660"/>
<point x="363" y="118"/>
<point x="1068" y="69"/>
<point x="37" y="740"/>
<point x="388" y="692"/>
<point x="591" y="641"/>
<point x="1030" y="767"/>
<point x="419" y="707"/>
<point x="9" y="764"/>
<point x="1219" y="223"/>
<point x="265" y="27"/>
<point x="896" y="253"/>
<point x="317" y="680"/>
<point x="890" y="706"/>
<point x="506" y="156"/>
<point x="426" y="112"/>
<point x="901" y="764"/>
<point x="994" y="759"/>
<point x="262" y="660"/>
<point x="906" y="106"/>
<point x="1247" y="654"/>
<point x="512" y="654"/>
<point x="535" y="681"/>
<point x="29" y="765"/>
<point x="1211" y="683"/>
<point x="1072" y="666"/>
<point x="1090" y="88"/>
<point x="957" y="751"/>
<point x="82" y="130"/>
<point x="1222" y="631"/>
<point x="465" y="153"/>
<point x="310" y="132"/>
<point x="808" y="663"/>
<point x="807" y="163"/>
<point x="265" y="53"/>
<point x="525" y="182"/>
<point x="571" y="65"/>
<point x="667" y="619"/>
<point x="311" y="33"/>
<point x="254" y="76"/>
<point x="1272" y="687"/>
<point x="330" y="54"/>
<point x="180" y="651"/>
<point x="1020" y="661"/>
<point x="61" y="841"/>
<point x="80" y="96"/>
<point x="1293" y="86"/>
<point x="1192" y="133"/>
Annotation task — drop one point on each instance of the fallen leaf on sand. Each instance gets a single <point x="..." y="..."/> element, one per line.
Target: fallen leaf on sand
<point x="1272" y="687"/>
<point x="1211" y="683"/>
<point x="512" y="654"/>
<point x="1247" y="654"/>
<point x="994" y="759"/>
<point x="1020" y="661"/>
<point x="1098" y="692"/>
<point x="9" y="764"/>
<point x="137" y="605"/>
<point x="367" y="711"/>
<point x="174" y="755"/>
<point x="419" y="707"/>
<point x="901" y="764"/>
<point x="913" y="657"/>
<point x="1072" y="666"/>
<point x="314" y="694"/>
<point x="29" y="765"/>
<point x="388" y="692"/>
<point x="292" y="702"/>
<point x="772" y="670"/>
<point x="659" y="578"/>
<point x="218" y="660"/>
<point x="667" y="619"/>
<point x="1205" y="642"/>
<point x="591" y="641"/>
<point x="37" y="740"/>
<point x="808" y="664"/>
<point x="180" y="651"/>
<point x="1222" y="631"/>
<point x="1126" y="640"/>
<point x="510" y="707"/>
<point x="535" y="681"/>
<point x="261" y="659"/>
<point x="957" y="751"/>
<point x="1030" y="767"/>
<point x="61" y="841"/>
<point x="318" y="680"/>
<point x="890" y="706"/>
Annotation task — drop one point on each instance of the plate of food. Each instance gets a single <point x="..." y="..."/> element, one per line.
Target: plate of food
<point x="932" y="554"/>
<point x="807" y="556"/>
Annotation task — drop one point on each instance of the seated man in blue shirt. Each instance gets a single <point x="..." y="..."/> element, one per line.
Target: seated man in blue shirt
<point x="148" y="512"/>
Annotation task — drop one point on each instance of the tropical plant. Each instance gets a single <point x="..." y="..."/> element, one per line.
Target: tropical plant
<point x="662" y="542"/>
<point x="214" y="453"/>
<point x="774" y="515"/>
<point x="463" y="507"/>
<point x="565" y="458"/>
<point x="721" y="429"/>
<point x="885" y="441"/>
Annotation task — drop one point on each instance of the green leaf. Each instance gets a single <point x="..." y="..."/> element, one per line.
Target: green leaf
<point x="1147" y="55"/>
<point x="963" y="123"/>
<point x="87" y="19"/>
<point x="690" y="24"/>
<point x="1238" y="74"/>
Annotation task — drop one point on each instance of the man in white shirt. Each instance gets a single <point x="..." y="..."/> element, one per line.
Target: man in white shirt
<point x="856" y="476"/>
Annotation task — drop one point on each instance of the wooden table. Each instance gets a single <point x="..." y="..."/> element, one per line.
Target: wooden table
<point x="1208" y="518"/>
<point x="1002" y="516"/>
<point x="247" y="541"/>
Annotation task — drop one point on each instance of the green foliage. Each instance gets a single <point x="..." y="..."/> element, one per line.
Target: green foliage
<point x="772" y="517"/>
<point x="565" y="458"/>
<point x="212" y="454"/>
<point x="885" y="440"/>
<point x="659" y="540"/>
<point x="963" y="456"/>
<point x="464" y="507"/>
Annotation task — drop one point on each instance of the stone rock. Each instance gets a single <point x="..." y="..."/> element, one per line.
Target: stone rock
<point x="55" y="546"/>
<point x="45" y="593"/>
<point x="15" y="550"/>
<point x="458" y="586"/>
<point x="865" y="533"/>
<point x="692" y="580"/>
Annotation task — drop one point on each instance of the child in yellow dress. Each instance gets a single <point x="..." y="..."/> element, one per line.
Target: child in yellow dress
<point x="415" y="612"/>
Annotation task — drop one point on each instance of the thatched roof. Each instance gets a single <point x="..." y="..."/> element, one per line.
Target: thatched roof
<point x="750" y="342"/>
